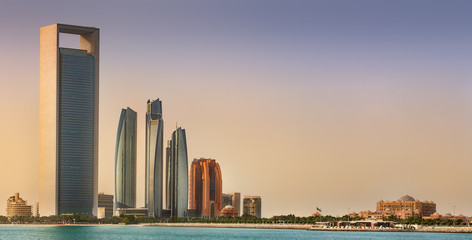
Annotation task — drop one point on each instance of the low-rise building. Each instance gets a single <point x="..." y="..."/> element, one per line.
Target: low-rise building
<point x="252" y="206"/>
<point x="233" y="199"/>
<point x="448" y="216"/>
<point x="105" y="201"/>
<point x="16" y="206"/>
<point x="136" y="212"/>
<point x="407" y="206"/>
<point x="403" y="208"/>
<point x="316" y="214"/>
<point x="229" y="211"/>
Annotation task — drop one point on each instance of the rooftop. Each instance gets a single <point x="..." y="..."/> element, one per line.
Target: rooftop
<point x="406" y="198"/>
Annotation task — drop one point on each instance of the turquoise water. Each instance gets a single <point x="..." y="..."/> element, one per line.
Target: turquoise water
<point x="140" y="232"/>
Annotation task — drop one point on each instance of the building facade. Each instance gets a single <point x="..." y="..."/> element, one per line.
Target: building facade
<point x="105" y="201"/>
<point x="252" y="205"/>
<point x="233" y="199"/>
<point x="154" y="154"/>
<point x="406" y="206"/>
<point x="68" y="146"/>
<point x="236" y="201"/>
<point x="226" y="200"/>
<point x="403" y="208"/>
<point x="168" y="181"/>
<point x="206" y="183"/>
<point x="229" y="211"/>
<point x="16" y="206"/>
<point x="136" y="212"/>
<point x="125" y="160"/>
<point x="448" y="216"/>
<point x="177" y="174"/>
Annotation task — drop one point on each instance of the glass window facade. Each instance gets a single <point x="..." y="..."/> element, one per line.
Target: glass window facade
<point x="125" y="160"/>
<point x="154" y="161"/>
<point x="75" y="165"/>
<point x="177" y="173"/>
<point x="252" y="206"/>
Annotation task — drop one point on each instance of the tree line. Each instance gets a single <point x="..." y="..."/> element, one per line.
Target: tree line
<point x="282" y="219"/>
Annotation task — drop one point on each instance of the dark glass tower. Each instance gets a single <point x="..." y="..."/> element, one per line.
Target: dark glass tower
<point x="76" y="131"/>
<point x="125" y="160"/>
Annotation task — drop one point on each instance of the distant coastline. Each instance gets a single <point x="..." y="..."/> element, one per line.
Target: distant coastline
<point x="309" y="227"/>
<point x="312" y="228"/>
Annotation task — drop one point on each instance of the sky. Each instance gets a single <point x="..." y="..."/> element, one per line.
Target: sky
<point x="331" y="104"/>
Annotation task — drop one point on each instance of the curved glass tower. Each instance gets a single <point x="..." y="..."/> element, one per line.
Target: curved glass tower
<point x="154" y="154"/>
<point x="125" y="160"/>
<point x="177" y="174"/>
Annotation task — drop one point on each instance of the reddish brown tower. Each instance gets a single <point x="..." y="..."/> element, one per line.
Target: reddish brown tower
<point x="205" y="193"/>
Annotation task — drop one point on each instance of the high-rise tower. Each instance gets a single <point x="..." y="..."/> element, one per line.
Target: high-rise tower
<point x="177" y="174"/>
<point x="154" y="155"/>
<point x="205" y="187"/>
<point x="68" y="119"/>
<point x="125" y="160"/>
<point x="168" y="180"/>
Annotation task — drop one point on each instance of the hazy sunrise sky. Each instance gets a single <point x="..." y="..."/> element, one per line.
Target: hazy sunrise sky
<point x="333" y="104"/>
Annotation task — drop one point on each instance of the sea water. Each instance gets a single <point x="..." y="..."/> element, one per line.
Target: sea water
<point x="152" y="232"/>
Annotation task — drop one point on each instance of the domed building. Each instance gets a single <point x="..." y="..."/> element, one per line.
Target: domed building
<point x="406" y="198"/>
<point x="406" y="206"/>
<point x="229" y="211"/>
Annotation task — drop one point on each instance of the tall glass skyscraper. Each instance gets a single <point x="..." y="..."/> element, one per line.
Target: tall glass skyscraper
<point x="177" y="174"/>
<point x="154" y="155"/>
<point x="68" y="151"/>
<point x="125" y="160"/>
<point x="168" y="175"/>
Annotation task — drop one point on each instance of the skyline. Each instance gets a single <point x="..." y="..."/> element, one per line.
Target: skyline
<point x="321" y="93"/>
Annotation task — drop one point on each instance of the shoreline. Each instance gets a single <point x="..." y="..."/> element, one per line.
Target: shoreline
<point x="308" y="227"/>
<point x="233" y="225"/>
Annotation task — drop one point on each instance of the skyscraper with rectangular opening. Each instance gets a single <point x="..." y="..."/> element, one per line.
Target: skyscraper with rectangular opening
<point x="68" y="146"/>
